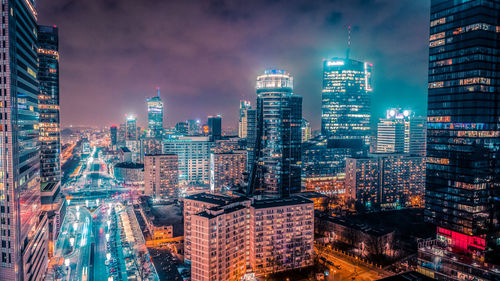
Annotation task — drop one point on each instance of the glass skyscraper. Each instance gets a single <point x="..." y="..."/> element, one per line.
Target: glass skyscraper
<point x="345" y="107"/>
<point x="277" y="169"/>
<point x="463" y="140"/>
<point x="243" y="119"/>
<point x="155" y="116"/>
<point x="23" y="227"/>
<point x="215" y="127"/>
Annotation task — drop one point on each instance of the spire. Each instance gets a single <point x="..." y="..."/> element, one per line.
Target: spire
<point x="348" y="42"/>
<point x="158" y="91"/>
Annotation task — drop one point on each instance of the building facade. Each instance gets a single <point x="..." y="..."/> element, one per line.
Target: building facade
<point x="463" y="140"/>
<point x="194" y="158"/>
<point x="214" y="127"/>
<point x="24" y="229"/>
<point x="277" y="145"/>
<point x="113" y="135"/>
<point x="227" y="169"/>
<point x="161" y="175"/>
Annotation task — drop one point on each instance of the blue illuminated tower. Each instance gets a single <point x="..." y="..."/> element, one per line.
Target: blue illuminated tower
<point x="155" y="116"/>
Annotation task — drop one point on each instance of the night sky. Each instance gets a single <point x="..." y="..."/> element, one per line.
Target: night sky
<point x="205" y="55"/>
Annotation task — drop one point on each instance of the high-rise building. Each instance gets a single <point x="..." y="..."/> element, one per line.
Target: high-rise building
<point x="251" y="138"/>
<point x="386" y="181"/>
<point x="305" y="130"/>
<point x="215" y="127"/>
<point x="345" y="107"/>
<point x="122" y="133"/>
<point x="401" y="132"/>
<point x="227" y="169"/>
<point x="24" y="229"/>
<point x="463" y="140"/>
<point x="49" y="128"/>
<point x="194" y="158"/>
<point x="278" y="137"/>
<point x="113" y="134"/>
<point x="161" y="175"/>
<point x="155" y="116"/>
<point x="48" y="77"/>
<point x="181" y="128"/>
<point x="243" y="120"/>
<point x="131" y="128"/>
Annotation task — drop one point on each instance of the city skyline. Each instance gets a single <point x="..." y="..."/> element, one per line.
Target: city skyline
<point x="213" y="60"/>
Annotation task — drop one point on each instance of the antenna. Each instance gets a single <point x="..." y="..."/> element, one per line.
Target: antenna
<point x="348" y="42"/>
<point x="158" y="91"/>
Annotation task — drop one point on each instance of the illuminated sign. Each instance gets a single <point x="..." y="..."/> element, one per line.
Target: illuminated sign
<point x="335" y="63"/>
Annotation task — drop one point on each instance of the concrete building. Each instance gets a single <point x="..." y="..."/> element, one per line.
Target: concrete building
<point x="227" y="169"/>
<point x="194" y="158"/>
<point x="161" y="175"/>
<point x="386" y="181"/>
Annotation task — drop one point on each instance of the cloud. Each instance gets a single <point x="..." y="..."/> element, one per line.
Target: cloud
<point x="205" y="55"/>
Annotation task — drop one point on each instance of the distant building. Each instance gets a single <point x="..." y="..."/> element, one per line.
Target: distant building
<point x="215" y="127"/>
<point x="251" y="139"/>
<point x="131" y="129"/>
<point x="306" y="130"/>
<point x="194" y="158"/>
<point x="113" y="135"/>
<point x="277" y="139"/>
<point x="181" y="128"/>
<point x="151" y="145"/>
<point x="401" y="132"/>
<point x="155" y="116"/>
<point x="193" y="127"/>
<point x="161" y="175"/>
<point x="227" y="169"/>
<point x="243" y="119"/>
<point x="386" y="181"/>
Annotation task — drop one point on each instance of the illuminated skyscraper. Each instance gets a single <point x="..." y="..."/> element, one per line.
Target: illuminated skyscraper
<point x="23" y="226"/>
<point x="243" y="120"/>
<point x="155" y="116"/>
<point x="345" y="108"/>
<point x="305" y="130"/>
<point x="463" y="141"/>
<point x="214" y="127"/>
<point x="276" y="171"/>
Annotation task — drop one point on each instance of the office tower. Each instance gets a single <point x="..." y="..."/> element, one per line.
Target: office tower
<point x="305" y="130"/>
<point x="122" y="133"/>
<point x="243" y="120"/>
<point x="23" y="227"/>
<point x="345" y="107"/>
<point x="463" y="137"/>
<point x="113" y="135"/>
<point x="259" y="236"/>
<point x="385" y="181"/>
<point x="161" y="175"/>
<point x="214" y="127"/>
<point x="251" y="138"/>
<point x="48" y="77"/>
<point x="193" y="127"/>
<point x="227" y="169"/>
<point x="49" y="128"/>
<point x="131" y="128"/>
<point x="181" y="128"/>
<point x="278" y="136"/>
<point x="194" y="158"/>
<point x="155" y="116"/>
<point x="401" y="132"/>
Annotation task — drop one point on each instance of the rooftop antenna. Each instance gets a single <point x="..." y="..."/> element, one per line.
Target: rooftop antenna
<point x="348" y="42"/>
<point x="158" y="91"/>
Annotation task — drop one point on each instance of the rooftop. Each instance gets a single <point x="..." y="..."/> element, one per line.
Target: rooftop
<point x="129" y="165"/>
<point x="209" y="198"/>
<point x="217" y="211"/>
<point x="270" y="203"/>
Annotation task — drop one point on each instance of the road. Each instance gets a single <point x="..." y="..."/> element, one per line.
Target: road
<point x="349" y="269"/>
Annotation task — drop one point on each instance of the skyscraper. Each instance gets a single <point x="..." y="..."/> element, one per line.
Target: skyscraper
<point x="23" y="227"/>
<point x="113" y="134"/>
<point x="193" y="127"/>
<point x="214" y="127"/>
<point x="305" y="130"/>
<point x="463" y="140"/>
<point x="48" y="77"/>
<point x="155" y="116"/>
<point x="345" y="108"/>
<point x="243" y="120"/>
<point x="131" y="128"/>
<point x="276" y="171"/>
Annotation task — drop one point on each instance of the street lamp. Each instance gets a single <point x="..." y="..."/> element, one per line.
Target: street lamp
<point x="72" y="241"/>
